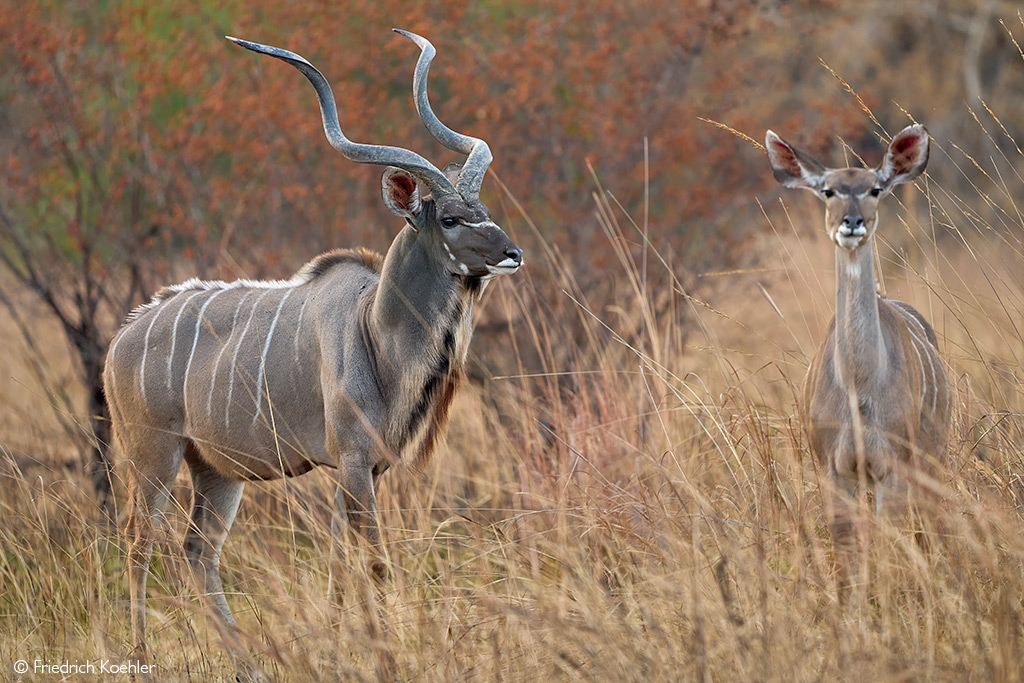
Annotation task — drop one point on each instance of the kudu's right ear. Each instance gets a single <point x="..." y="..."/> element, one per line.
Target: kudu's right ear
<point x="792" y="167"/>
<point x="401" y="192"/>
<point x="452" y="172"/>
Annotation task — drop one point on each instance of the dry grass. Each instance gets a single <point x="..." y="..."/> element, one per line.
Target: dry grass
<point x="631" y="501"/>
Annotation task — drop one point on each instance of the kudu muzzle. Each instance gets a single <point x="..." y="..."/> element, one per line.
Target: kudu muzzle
<point x="853" y="228"/>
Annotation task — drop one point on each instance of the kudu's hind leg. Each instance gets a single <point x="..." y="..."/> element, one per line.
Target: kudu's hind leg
<point x="153" y="463"/>
<point x="215" y="504"/>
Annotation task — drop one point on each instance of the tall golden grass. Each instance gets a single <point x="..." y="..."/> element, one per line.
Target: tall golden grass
<point x="631" y="498"/>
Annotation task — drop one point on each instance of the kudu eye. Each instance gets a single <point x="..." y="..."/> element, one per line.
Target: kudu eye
<point x="875" y="191"/>
<point x="828" y="193"/>
<point x="449" y="221"/>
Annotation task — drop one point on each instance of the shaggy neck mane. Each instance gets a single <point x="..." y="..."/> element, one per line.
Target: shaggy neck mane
<point x="440" y="388"/>
<point x="316" y="268"/>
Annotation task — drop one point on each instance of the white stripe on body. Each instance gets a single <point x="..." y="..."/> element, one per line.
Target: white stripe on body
<point x="191" y="354"/>
<point x="924" y="384"/>
<point x="263" y="357"/>
<point x="234" y="359"/>
<point x="926" y="347"/>
<point x="174" y="334"/>
<point x="933" y="358"/>
<point x="933" y="387"/>
<point x="145" y="351"/>
<point x="298" y="327"/>
<point x="110" y="356"/>
<point x="220" y="354"/>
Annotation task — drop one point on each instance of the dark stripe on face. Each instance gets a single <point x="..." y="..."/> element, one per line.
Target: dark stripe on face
<point x="853" y="207"/>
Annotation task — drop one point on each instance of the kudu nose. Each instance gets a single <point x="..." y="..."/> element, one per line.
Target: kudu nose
<point x="853" y="225"/>
<point x="515" y="253"/>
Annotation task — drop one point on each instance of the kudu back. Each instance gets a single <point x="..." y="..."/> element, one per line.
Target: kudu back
<point x="876" y="400"/>
<point x="350" y="363"/>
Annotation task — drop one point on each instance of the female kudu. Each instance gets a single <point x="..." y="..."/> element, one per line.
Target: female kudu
<point x="876" y="400"/>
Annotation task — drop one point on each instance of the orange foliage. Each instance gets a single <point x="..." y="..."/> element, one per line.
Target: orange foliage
<point x="133" y="120"/>
<point x="195" y="137"/>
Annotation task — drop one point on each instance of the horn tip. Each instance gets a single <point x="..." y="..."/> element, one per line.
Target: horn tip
<point x="419" y="40"/>
<point x="244" y="43"/>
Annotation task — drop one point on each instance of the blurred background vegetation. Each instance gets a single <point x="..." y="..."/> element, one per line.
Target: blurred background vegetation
<point x="139" y="147"/>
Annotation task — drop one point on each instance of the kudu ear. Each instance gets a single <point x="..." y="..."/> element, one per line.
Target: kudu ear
<point x="792" y="167"/>
<point x="401" y="192"/>
<point x="906" y="157"/>
<point x="452" y="172"/>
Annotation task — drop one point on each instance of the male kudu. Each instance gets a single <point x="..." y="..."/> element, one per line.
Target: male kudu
<point x="876" y="399"/>
<point x="350" y="363"/>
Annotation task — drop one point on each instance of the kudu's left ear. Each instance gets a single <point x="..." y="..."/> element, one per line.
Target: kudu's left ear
<point x="401" y="192"/>
<point x="906" y="157"/>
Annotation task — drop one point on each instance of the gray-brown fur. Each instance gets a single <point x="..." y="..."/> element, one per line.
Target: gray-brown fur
<point x="214" y="399"/>
<point x="876" y="401"/>
<point x="351" y="363"/>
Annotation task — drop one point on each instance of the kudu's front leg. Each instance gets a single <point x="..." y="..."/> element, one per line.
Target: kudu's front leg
<point x="840" y="498"/>
<point x="355" y="520"/>
<point x="843" y="510"/>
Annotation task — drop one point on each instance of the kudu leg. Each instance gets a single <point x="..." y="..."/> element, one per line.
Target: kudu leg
<point x="909" y="505"/>
<point x="216" y="500"/>
<point x="842" y="513"/>
<point x="213" y="512"/>
<point x="153" y="465"/>
<point x="356" y="520"/>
